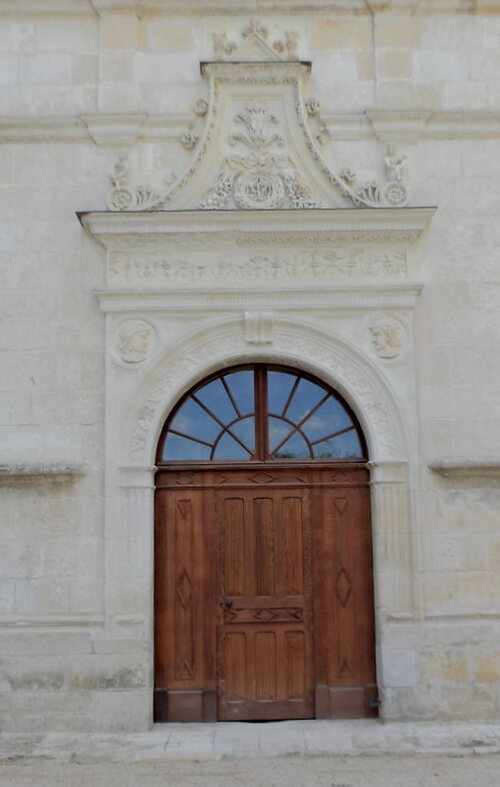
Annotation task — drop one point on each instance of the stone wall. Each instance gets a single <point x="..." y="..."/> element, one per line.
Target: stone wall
<point x="80" y="83"/>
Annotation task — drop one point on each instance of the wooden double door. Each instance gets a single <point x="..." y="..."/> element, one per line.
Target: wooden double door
<point x="264" y="593"/>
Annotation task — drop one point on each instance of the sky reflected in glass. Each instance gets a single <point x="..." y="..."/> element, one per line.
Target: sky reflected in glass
<point x="306" y="397"/>
<point x="279" y="385"/>
<point x="228" y="448"/>
<point x="241" y="386"/>
<point x="344" y="446"/>
<point x="303" y="421"/>
<point x="214" y="396"/>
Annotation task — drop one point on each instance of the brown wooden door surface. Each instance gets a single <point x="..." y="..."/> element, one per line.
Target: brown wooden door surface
<point x="265" y="634"/>
<point x="264" y="593"/>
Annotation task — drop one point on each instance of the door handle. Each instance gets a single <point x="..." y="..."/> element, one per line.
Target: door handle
<point x="228" y="602"/>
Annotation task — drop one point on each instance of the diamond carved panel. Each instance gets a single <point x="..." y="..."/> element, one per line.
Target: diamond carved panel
<point x="343" y="587"/>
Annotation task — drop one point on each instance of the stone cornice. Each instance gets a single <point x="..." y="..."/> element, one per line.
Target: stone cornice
<point x="275" y="297"/>
<point x="211" y="7"/>
<point x="56" y="470"/>
<point x="125" y="129"/>
<point x="50" y="621"/>
<point x="271" y="227"/>
<point x="486" y="467"/>
<point x="310" y="8"/>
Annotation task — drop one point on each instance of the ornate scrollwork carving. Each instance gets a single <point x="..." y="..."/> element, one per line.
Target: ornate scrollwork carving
<point x="263" y="172"/>
<point x="254" y="36"/>
<point x="260" y="179"/>
<point x="258" y="122"/>
<point x="189" y="140"/>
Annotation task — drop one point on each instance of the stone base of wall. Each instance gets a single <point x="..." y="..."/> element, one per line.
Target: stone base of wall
<point x="77" y="686"/>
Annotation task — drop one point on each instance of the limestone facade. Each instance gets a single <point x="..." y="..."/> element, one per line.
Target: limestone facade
<point x="368" y="255"/>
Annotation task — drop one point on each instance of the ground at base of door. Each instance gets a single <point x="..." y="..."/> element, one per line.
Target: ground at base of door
<point x="235" y="740"/>
<point x="342" y="771"/>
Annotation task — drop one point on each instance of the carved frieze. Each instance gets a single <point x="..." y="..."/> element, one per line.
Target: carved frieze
<point x="319" y="265"/>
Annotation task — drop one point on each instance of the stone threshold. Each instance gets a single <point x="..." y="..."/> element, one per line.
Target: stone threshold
<point x="241" y="740"/>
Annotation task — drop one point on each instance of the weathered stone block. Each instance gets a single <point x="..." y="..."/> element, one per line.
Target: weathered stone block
<point x="119" y="31"/>
<point x="488" y="668"/>
<point x="167" y="34"/>
<point x="114" y="673"/>
<point x="451" y="667"/>
<point x="340" y="34"/>
<point x="393" y="31"/>
<point x="395" y="64"/>
<point x="126" y="711"/>
<point x="398" y="668"/>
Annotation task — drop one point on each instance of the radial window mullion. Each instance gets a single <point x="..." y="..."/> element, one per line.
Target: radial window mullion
<point x="297" y="427"/>
<point x="210" y="413"/>
<point x="188" y="437"/>
<point x="230" y="395"/>
<point x="331" y="436"/>
<point x="261" y="413"/>
<point x="228" y="418"/>
<point x="290" y="396"/>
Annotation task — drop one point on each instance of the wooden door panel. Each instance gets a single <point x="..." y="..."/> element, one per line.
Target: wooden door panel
<point x="271" y="619"/>
<point x="235" y="546"/>
<point x="290" y="565"/>
<point x="285" y="546"/>
<point x="265" y="535"/>
<point x="236" y="668"/>
<point x="264" y="674"/>
<point x="343" y="596"/>
<point x="184" y="603"/>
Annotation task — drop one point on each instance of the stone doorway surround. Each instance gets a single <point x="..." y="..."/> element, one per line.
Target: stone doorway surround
<point x="167" y="328"/>
<point x="261" y="253"/>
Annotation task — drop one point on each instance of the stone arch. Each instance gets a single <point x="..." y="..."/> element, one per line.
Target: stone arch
<point x="132" y="441"/>
<point x="330" y="357"/>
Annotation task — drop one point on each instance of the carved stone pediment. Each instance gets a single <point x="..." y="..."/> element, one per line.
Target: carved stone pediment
<point x="259" y="149"/>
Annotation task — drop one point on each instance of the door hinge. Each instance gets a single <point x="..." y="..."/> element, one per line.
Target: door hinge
<point x="373" y="703"/>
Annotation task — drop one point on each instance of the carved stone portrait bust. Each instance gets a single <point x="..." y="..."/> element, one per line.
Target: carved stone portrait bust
<point x="387" y="336"/>
<point x="134" y="339"/>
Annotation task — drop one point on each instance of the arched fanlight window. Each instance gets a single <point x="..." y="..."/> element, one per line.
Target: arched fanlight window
<point x="261" y="413"/>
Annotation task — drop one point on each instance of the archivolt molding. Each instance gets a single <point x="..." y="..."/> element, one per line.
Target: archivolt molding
<point x="332" y="358"/>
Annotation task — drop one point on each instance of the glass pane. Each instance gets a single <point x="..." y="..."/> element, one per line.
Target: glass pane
<point x="181" y="449"/>
<point x="304" y="399"/>
<point x="278" y="430"/>
<point x="242" y="388"/>
<point x="227" y="448"/>
<point x="295" y="448"/>
<point x="330" y="417"/>
<point x="345" y="446"/>
<point x="245" y="430"/>
<point x="216" y="399"/>
<point x="279" y="385"/>
<point x="194" y="421"/>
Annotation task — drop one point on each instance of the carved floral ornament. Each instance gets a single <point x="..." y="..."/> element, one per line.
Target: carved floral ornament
<point x="263" y="156"/>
